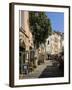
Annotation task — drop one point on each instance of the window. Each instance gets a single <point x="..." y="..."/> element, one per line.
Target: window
<point x="48" y="42"/>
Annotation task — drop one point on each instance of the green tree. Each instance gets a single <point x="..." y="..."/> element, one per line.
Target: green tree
<point x="40" y="26"/>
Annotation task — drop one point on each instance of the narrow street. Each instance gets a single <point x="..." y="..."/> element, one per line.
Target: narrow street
<point x="40" y="69"/>
<point x="38" y="43"/>
<point x="51" y="71"/>
<point x="46" y="70"/>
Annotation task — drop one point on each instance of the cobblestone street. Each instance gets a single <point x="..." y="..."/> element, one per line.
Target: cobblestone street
<point x="48" y="69"/>
<point x="38" y="71"/>
<point x="51" y="71"/>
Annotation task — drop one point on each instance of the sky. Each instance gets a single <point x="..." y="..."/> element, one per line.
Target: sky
<point x="57" y="20"/>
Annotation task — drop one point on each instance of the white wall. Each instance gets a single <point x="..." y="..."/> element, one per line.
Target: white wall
<point x="4" y="44"/>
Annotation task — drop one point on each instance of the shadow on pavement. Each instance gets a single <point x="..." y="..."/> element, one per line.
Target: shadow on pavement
<point x="52" y="71"/>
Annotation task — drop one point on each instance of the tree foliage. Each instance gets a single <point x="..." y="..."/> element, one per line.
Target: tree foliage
<point x="40" y="26"/>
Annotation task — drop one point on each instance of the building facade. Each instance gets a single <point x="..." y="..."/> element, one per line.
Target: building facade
<point x="26" y="46"/>
<point x="54" y="43"/>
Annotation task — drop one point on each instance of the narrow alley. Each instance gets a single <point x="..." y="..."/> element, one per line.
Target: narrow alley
<point x="49" y="68"/>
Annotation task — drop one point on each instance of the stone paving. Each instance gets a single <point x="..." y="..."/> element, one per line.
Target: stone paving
<point x="47" y="69"/>
<point x="38" y="71"/>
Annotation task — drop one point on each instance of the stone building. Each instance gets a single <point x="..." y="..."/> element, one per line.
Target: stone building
<point x="41" y="53"/>
<point x="54" y="43"/>
<point x="25" y="33"/>
<point x="26" y="45"/>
